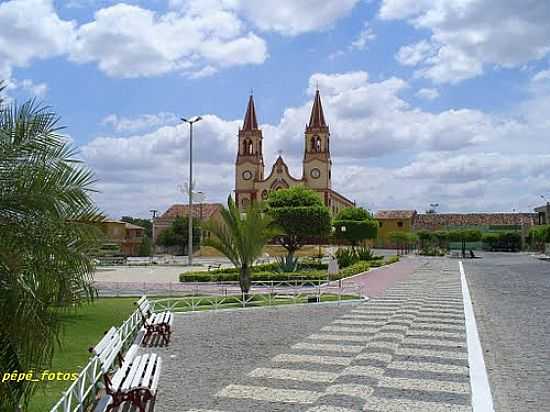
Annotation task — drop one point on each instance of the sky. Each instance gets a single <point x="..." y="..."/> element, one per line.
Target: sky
<point x="428" y="101"/>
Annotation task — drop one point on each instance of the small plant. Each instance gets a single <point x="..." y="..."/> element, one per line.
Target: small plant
<point x="287" y="264"/>
<point x="364" y="253"/>
<point x="346" y="257"/>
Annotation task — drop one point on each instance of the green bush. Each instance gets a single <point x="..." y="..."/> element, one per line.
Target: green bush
<point x="346" y="257"/>
<point x="364" y="253"/>
<point x="315" y="264"/>
<point x="256" y="276"/>
<point x="357" y="267"/>
<point x="392" y="259"/>
<point x="503" y="241"/>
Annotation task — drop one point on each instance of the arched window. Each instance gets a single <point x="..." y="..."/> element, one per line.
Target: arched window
<point x="318" y="144"/>
<point x="312" y="144"/>
<point x="245" y="147"/>
<point x="245" y="202"/>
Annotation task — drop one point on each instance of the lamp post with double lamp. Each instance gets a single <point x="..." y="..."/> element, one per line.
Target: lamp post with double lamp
<point x="191" y="121"/>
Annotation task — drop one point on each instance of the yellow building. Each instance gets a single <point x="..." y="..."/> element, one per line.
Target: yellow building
<point x="252" y="185"/>
<point x="393" y="221"/>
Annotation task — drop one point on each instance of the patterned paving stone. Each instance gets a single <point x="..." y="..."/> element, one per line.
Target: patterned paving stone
<point x="405" y="351"/>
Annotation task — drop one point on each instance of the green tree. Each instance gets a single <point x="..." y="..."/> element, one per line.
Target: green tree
<point x="240" y="237"/>
<point x="464" y="236"/>
<point x="177" y="234"/>
<point x="300" y="215"/>
<point x="46" y="238"/>
<point x="358" y="223"/>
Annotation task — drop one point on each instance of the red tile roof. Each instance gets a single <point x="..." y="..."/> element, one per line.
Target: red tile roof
<point x="395" y="214"/>
<point x="206" y="209"/>
<point x="432" y="221"/>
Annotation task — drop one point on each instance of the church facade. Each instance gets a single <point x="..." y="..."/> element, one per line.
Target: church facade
<point x="251" y="184"/>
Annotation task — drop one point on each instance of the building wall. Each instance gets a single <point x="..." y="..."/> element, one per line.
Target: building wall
<point x="386" y="226"/>
<point x="128" y="239"/>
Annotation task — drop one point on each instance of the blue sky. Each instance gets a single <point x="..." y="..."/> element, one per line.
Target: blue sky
<point x="428" y="101"/>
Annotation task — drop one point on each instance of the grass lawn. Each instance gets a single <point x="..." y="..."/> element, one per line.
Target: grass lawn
<point x="83" y="328"/>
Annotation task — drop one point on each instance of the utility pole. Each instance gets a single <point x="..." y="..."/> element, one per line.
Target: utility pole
<point x="154" y="213"/>
<point x="190" y="189"/>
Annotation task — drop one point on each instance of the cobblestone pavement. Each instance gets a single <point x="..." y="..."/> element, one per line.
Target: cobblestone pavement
<point x="511" y="298"/>
<point x="405" y="351"/>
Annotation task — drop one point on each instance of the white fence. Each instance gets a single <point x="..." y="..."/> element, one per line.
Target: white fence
<point x="82" y="392"/>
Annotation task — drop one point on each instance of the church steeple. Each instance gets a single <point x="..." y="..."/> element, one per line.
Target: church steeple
<point x="317" y="118"/>
<point x="250" y="161"/>
<point x="250" y="122"/>
<point x="317" y="163"/>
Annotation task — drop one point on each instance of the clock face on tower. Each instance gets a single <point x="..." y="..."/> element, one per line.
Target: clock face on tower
<point x="247" y="175"/>
<point x="315" y="173"/>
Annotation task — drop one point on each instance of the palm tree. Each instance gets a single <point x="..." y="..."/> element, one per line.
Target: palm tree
<point x="46" y="236"/>
<point x="241" y="237"/>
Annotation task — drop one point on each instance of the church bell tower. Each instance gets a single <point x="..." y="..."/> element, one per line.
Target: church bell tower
<point x="249" y="167"/>
<point x="317" y="164"/>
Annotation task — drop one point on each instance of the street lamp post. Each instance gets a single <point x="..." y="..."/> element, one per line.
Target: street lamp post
<point x="190" y="191"/>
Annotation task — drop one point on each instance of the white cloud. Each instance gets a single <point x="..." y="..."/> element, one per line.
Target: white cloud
<point x="130" y="41"/>
<point x="427" y="94"/>
<point x="31" y="29"/>
<point x="542" y="76"/>
<point x="144" y="121"/>
<point x="468" y="36"/>
<point x="364" y="38"/>
<point x="415" y="53"/>
<point x="291" y="17"/>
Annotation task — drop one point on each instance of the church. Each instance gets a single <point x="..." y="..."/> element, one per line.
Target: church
<point x="250" y="181"/>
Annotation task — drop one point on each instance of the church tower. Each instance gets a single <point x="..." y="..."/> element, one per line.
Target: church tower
<point x="250" y="162"/>
<point x="317" y="164"/>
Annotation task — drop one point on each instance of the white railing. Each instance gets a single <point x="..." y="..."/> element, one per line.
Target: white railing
<point x="82" y="392"/>
<point x="228" y="295"/>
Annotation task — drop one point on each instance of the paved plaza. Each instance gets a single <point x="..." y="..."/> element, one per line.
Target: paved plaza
<point x="511" y="296"/>
<point x="403" y="351"/>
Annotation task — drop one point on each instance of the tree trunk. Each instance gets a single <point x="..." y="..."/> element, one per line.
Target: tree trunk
<point x="245" y="280"/>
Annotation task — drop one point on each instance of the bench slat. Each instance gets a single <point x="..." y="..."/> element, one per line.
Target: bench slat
<point x="149" y="371"/>
<point x="156" y="377"/>
<point x="139" y="373"/>
<point x="130" y="377"/>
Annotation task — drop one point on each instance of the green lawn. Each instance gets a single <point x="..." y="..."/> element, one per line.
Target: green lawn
<point x="83" y="329"/>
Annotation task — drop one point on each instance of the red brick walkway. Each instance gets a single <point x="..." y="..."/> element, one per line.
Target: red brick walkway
<point x="380" y="279"/>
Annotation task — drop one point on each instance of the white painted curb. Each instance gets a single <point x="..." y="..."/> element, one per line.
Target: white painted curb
<point x="482" y="400"/>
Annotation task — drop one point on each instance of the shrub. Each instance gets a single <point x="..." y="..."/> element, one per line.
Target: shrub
<point x="256" y="276"/>
<point x="392" y="259"/>
<point x="357" y="267"/>
<point x="287" y="264"/>
<point x="503" y="241"/>
<point x="346" y="257"/>
<point x="364" y="253"/>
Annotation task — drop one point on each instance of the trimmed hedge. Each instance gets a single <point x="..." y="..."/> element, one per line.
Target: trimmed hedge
<point x="316" y="271"/>
<point x="256" y="276"/>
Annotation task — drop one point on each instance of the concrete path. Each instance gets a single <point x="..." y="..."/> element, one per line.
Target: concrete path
<point x="404" y="351"/>
<point x="377" y="280"/>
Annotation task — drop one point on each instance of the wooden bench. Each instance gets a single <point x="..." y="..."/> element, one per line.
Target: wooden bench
<point x="216" y="266"/>
<point x="136" y="379"/>
<point x="160" y="323"/>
